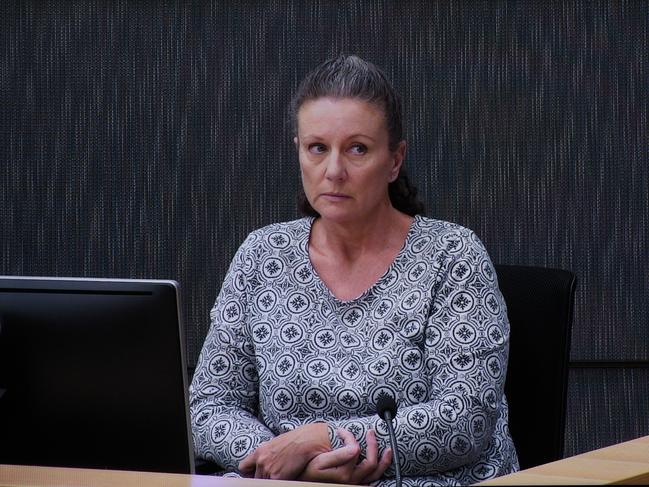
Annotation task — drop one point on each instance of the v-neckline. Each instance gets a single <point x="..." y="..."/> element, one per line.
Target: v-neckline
<point x="325" y="289"/>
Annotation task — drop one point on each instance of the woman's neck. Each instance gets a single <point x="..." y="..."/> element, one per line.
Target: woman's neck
<point x="351" y="240"/>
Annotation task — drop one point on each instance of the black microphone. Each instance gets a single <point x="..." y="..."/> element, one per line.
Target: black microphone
<point x="386" y="408"/>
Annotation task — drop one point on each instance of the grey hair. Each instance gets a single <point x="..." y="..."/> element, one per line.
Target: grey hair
<point x="351" y="77"/>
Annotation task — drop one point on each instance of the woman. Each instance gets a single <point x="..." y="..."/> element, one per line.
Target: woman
<point x="317" y="317"/>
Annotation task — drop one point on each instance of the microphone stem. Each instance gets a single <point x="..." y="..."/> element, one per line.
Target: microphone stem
<point x="395" y="451"/>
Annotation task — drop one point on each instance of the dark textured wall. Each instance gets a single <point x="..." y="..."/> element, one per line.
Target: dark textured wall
<point x="146" y="139"/>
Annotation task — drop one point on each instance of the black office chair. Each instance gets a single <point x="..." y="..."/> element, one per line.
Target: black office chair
<point x="539" y="305"/>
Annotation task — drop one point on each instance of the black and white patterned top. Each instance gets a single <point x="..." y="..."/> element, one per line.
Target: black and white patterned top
<point x="282" y="351"/>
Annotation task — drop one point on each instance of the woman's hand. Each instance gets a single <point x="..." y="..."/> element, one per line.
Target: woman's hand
<point x="340" y="465"/>
<point x="285" y="456"/>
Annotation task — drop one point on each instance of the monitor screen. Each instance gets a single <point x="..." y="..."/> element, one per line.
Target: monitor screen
<point x="93" y="374"/>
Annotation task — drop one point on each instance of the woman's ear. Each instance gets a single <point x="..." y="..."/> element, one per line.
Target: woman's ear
<point x="399" y="156"/>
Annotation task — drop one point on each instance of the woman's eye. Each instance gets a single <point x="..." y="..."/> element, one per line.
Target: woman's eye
<point x="317" y="148"/>
<point x="358" y="149"/>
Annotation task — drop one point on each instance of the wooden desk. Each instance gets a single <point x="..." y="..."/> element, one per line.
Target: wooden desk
<point x="26" y="476"/>
<point x="624" y="463"/>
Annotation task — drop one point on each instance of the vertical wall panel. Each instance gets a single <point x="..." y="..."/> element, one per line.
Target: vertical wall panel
<point x="606" y="406"/>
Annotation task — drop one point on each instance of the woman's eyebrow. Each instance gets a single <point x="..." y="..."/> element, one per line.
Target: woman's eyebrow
<point x="362" y="135"/>
<point x="310" y="136"/>
<point x="315" y="137"/>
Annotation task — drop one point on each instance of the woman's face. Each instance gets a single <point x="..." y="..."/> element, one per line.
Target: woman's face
<point x="345" y="160"/>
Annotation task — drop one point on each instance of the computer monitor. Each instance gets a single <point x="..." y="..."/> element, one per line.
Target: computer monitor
<point x="93" y="374"/>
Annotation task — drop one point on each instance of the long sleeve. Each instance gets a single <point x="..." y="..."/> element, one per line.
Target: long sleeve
<point x="283" y="352"/>
<point x="224" y="396"/>
<point x="464" y="356"/>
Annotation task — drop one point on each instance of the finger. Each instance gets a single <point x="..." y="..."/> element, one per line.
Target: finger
<point x="347" y="437"/>
<point x="334" y="466"/>
<point x="337" y="457"/>
<point x="369" y="463"/>
<point x="372" y="450"/>
<point x="384" y="463"/>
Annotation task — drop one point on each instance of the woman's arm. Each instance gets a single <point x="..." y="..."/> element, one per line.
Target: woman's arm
<point x="286" y="456"/>
<point x="224" y="391"/>
<point x="465" y="355"/>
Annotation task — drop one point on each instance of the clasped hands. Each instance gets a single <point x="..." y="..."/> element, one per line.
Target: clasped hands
<point x="305" y="454"/>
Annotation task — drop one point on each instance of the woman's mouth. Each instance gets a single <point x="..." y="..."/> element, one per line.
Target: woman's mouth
<point x="335" y="196"/>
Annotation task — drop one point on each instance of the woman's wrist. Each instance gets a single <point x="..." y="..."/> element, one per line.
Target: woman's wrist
<point x="318" y="437"/>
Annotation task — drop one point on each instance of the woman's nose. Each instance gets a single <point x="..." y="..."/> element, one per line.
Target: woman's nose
<point x="335" y="167"/>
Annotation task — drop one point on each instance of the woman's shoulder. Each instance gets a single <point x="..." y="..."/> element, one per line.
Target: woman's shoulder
<point x="437" y="237"/>
<point x="280" y="235"/>
<point x="445" y="235"/>
<point x="454" y="247"/>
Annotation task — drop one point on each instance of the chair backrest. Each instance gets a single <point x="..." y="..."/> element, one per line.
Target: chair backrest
<point x="539" y="306"/>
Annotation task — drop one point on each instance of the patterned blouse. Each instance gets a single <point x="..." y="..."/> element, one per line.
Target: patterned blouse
<point x="432" y="332"/>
